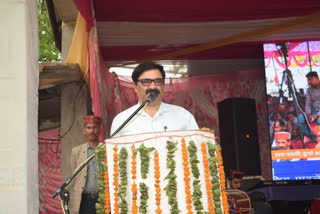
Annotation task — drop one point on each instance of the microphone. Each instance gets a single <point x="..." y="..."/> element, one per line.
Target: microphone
<point x="152" y="96"/>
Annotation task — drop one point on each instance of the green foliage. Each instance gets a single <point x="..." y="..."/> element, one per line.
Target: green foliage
<point x="47" y="49"/>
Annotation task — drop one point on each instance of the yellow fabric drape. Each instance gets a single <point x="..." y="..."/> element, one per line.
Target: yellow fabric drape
<point x="79" y="52"/>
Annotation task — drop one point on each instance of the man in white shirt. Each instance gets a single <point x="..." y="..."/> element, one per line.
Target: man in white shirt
<point x="157" y="116"/>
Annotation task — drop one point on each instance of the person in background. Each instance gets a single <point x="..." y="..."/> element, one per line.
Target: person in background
<point x="283" y="141"/>
<point x="234" y="179"/>
<point x="312" y="105"/>
<point x="277" y="126"/>
<point x="83" y="194"/>
<point x="296" y="141"/>
<point x="291" y="117"/>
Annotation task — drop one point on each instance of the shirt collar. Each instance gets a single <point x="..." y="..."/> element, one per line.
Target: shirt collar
<point x="162" y="109"/>
<point x="89" y="147"/>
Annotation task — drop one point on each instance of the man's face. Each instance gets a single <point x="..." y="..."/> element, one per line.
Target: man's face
<point x="141" y="90"/>
<point x="313" y="81"/>
<point x="235" y="183"/>
<point x="92" y="131"/>
<point x="291" y="117"/>
<point x="277" y="127"/>
<point x="283" y="144"/>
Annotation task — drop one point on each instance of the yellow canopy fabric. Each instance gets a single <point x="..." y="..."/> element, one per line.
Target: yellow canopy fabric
<point x="79" y="52"/>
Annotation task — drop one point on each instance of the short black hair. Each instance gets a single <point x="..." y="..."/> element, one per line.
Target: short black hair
<point x="146" y="66"/>
<point x="312" y="74"/>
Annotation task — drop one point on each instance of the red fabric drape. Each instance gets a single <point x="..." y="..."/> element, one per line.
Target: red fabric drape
<point x="49" y="172"/>
<point x="85" y="8"/>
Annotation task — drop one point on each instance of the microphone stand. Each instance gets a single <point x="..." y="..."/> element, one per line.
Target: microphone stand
<point x="293" y="92"/>
<point x="61" y="191"/>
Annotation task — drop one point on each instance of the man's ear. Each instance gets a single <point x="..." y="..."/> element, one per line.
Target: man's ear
<point x="135" y="87"/>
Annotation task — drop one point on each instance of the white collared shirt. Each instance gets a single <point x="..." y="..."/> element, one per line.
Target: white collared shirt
<point x="168" y="118"/>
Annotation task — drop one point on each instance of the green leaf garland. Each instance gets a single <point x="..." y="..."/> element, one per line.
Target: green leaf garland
<point x="197" y="193"/>
<point x="171" y="187"/>
<point x="144" y="196"/>
<point x="145" y="159"/>
<point x="100" y="154"/>
<point x="216" y="192"/>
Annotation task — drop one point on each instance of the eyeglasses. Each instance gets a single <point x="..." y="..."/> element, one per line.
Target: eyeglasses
<point x="147" y="82"/>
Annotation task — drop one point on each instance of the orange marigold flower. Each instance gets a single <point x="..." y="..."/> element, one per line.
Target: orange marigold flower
<point x="189" y="206"/>
<point x="158" y="211"/>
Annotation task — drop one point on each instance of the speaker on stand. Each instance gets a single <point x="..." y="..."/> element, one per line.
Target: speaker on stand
<point x="239" y="135"/>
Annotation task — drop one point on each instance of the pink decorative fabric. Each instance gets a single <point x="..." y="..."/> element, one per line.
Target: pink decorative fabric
<point x="200" y="95"/>
<point x="297" y="54"/>
<point x="49" y="172"/>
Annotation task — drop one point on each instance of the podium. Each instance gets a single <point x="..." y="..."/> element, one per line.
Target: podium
<point x="163" y="172"/>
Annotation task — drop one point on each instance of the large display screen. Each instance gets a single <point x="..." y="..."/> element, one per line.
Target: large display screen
<point x="293" y="98"/>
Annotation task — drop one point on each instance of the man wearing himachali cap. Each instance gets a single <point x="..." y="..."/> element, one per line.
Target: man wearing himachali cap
<point x="282" y="140"/>
<point x="234" y="179"/>
<point x="83" y="194"/>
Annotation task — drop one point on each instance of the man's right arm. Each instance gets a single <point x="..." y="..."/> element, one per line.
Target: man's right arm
<point x="310" y="117"/>
<point x="308" y="102"/>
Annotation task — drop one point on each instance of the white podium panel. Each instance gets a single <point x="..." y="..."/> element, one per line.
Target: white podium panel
<point x="166" y="172"/>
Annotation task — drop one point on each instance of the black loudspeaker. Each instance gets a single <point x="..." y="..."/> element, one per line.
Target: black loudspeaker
<point x="239" y="135"/>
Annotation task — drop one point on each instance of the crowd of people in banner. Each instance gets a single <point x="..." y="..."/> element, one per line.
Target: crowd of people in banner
<point x="294" y="126"/>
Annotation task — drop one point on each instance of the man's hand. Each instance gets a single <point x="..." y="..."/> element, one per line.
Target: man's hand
<point x="312" y="118"/>
<point x="207" y="130"/>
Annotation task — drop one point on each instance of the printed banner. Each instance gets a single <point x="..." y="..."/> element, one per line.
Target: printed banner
<point x="295" y="154"/>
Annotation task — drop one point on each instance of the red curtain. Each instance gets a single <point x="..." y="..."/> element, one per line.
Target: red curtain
<point x="49" y="171"/>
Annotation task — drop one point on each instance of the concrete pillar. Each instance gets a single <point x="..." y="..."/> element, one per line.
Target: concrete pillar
<point x="76" y="92"/>
<point x="19" y="80"/>
<point x="67" y="35"/>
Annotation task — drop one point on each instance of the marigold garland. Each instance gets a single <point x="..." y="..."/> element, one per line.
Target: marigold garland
<point x="103" y="204"/>
<point x="213" y="174"/>
<point x="205" y="161"/>
<point x="115" y="180"/>
<point x="157" y="182"/>
<point x="106" y="185"/>
<point x="222" y="181"/>
<point x="186" y="178"/>
<point x="123" y="205"/>
<point x="134" y="188"/>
